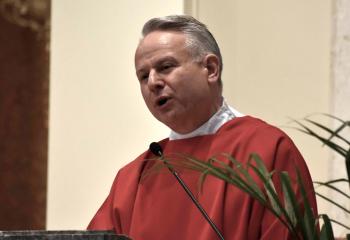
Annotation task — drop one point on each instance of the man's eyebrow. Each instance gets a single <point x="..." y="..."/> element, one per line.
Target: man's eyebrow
<point x="164" y="59"/>
<point x="156" y="63"/>
<point x="161" y="60"/>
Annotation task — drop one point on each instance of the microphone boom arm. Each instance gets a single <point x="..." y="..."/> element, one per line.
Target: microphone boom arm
<point x="157" y="150"/>
<point x="190" y="194"/>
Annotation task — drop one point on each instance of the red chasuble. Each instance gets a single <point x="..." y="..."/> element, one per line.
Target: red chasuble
<point x="157" y="208"/>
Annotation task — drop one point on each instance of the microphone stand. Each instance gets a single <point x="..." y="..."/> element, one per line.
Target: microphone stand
<point x="157" y="150"/>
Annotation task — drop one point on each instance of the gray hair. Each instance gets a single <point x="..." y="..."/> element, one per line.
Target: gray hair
<point x="199" y="40"/>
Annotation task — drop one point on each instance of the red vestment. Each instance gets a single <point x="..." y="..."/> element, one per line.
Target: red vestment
<point x="158" y="208"/>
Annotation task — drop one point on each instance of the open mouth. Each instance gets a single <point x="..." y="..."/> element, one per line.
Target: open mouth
<point x="162" y="101"/>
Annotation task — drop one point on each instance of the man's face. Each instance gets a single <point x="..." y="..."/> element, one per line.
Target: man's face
<point x="174" y="86"/>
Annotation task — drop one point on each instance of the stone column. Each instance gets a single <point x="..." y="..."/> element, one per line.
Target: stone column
<point x="340" y="100"/>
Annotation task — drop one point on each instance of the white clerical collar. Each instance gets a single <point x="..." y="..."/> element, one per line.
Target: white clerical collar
<point x="223" y="115"/>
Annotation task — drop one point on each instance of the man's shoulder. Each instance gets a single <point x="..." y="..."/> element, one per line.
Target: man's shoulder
<point x="249" y="130"/>
<point x="250" y="125"/>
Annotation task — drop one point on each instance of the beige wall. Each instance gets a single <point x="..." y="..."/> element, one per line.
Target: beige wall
<point x="277" y="59"/>
<point x="98" y="121"/>
<point x="277" y="64"/>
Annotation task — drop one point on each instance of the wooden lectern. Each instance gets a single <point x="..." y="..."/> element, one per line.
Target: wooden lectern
<point x="61" y="235"/>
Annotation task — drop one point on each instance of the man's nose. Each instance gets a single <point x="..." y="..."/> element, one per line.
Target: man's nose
<point x="155" y="81"/>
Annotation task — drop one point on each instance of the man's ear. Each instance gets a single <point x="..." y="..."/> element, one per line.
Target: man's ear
<point x="211" y="63"/>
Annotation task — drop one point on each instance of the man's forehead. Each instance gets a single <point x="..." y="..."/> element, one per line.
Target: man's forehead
<point x="160" y="44"/>
<point x="158" y="39"/>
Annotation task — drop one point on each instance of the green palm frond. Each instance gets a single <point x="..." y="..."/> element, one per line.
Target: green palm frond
<point x="253" y="178"/>
<point x="293" y="212"/>
<point x="338" y="140"/>
<point x="331" y="186"/>
<point x="326" y="230"/>
<point x="340" y="224"/>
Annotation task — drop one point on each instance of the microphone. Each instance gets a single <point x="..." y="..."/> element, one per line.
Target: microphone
<point x="157" y="150"/>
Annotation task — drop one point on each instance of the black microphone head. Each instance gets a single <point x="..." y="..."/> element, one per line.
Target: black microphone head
<point x="156" y="149"/>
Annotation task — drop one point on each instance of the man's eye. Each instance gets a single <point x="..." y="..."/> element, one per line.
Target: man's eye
<point x="166" y="67"/>
<point x="143" y="77"/>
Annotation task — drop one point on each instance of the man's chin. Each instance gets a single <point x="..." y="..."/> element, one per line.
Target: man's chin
<point x="169" y="122"/>
<point x="172" y="120"/>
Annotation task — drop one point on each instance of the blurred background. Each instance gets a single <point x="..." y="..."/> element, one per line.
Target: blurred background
<point x="71" y="113"/>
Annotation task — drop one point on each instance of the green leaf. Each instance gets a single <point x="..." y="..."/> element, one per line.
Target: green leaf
<point x="333" y="117"/>
<point x="326" y="230"/>
<point x="309" y="227"/>
<point x="290" y="202"/>
<point x="201" y="180"/>
<point x="347" y="164"/>
<point x="222" y="174"/>
<point x="327" y="142"/>
<point x="250" y="181"/>
<point x="243" y="179"/>
<point x="229" y="170"/>
<point x="275" y="205"/>
<point x="266" y="178"/>
<point x="333" y="202"/>
<point x="156" y="168"/>
<point x="260" y="164"/>
<point x="340" y="224"/>
<point x="273" y="197"/>
<point x="341" y="127"/>
<point x="293" y="206"/>
<point x="237" y="179"/>
<point x="309" y="216"/>
<point x="329" y="185"/>
<point x="335" y="181"/>
<point x="213" y="170"/>
<point x="286" y="209"/>
<point x="334" y="133"/>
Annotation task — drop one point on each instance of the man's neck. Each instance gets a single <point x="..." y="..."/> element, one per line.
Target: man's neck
<point x="224" y="114"/>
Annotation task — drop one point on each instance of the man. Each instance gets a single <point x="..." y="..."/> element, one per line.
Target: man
<point x="178" y="65"/>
